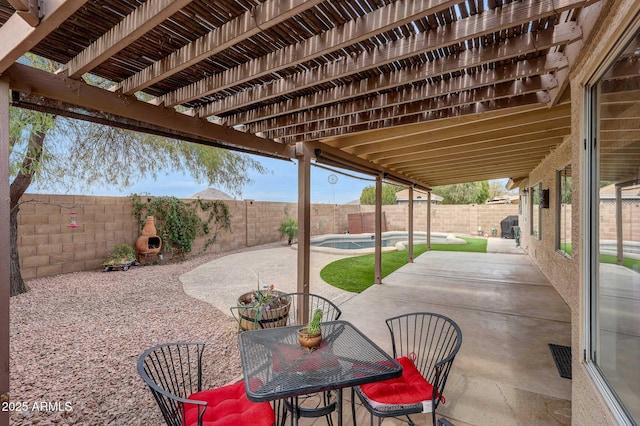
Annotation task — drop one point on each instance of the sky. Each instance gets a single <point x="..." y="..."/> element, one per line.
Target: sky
<point x="280" y="185"/>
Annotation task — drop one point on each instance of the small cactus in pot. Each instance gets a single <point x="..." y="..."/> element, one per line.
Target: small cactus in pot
<point x="311" y="335"/>
<point x="314" y="325"/>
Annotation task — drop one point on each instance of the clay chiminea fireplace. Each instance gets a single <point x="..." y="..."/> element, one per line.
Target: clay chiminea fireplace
<point x="148" y="243"/>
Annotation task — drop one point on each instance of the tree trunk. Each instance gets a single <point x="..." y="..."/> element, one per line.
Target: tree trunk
<point x="17" y="285"/>
<point x="18" y="187"/>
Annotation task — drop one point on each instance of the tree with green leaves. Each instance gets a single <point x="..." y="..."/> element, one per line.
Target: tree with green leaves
<point x="368" y="195"/>
<point x="464" y="193"/>
<point x="59" y="153"/>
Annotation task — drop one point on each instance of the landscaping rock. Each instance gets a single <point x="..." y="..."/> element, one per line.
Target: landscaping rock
<point x="76" y="338"/>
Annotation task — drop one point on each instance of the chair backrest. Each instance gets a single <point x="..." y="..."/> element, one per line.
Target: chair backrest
<point x="330" y="312"/>
<point x="430" y="340"/>
<point x="173" y="371"/>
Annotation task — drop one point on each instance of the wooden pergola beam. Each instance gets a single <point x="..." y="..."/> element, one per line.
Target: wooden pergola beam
<point x="536" y="67"/>
<point x="491" y="21"/>
<point x="57" y="87"/>
<point x="18" y="36"/>
<point x="487" y="148"/>
<point x="461" y="144"/>
<point x="530" y="100"/>
<point x="27" y="10"/>
<point x="385" y="135"/>
<point x="511" y="89"/>
<point x="517" y="46"/>
<point x="381" y="20"/>
<point x="479" y="165"/>
<point x="531" y="122"/>
<point x="133" y="26"/>
<point x="504" y="154"/>
<point x="45" y="105"/>
<point x="587" y="20"/>
<point x="329" y="155"/>
<point x="462" y="176"/>
<point x="263" y="16"/>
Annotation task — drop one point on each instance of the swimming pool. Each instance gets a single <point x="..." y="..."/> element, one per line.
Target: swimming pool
<point x="365" y="243"/>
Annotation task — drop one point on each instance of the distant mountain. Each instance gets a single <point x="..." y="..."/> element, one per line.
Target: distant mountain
<point x="212" y="194"/>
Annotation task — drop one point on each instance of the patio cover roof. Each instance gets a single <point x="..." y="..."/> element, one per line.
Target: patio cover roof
<point x="429" y="92"/>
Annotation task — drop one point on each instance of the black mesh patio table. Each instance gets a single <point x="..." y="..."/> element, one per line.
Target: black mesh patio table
<point x="276" y="367"/>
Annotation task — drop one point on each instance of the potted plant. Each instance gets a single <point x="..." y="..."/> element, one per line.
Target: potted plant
<point x="311" y="335"/>
<point x="121" y="258"/>
<point x="266" y="308"/>
<point x="289" y="229"/>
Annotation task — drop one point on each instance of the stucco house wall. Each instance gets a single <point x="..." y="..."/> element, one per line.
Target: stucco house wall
<point x="567" y="274"/>
<point x="559" y="268"/>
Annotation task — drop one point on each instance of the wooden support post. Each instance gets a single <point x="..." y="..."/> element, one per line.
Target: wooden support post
<point x="410" y="230"/>
<point x="304" y="225"/>
<point x="378" y="231"/>
<point x="5" y="249"/>
<point x="429" y="221"/>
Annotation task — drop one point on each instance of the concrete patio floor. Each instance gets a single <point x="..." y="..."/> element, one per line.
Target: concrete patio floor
<point x="508" y="312"/>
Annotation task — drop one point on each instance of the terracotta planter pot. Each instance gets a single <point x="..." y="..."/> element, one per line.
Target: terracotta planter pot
<point x="309" y="340"/>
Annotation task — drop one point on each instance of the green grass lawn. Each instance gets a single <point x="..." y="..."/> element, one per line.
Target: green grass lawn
<point x="608" y="258"/>
<point x="355" y="274"/>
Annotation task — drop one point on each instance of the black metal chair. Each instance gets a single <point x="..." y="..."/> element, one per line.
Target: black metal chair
<point x="330" y="312"/>
<point x="425" y="344"/>
<point x="314" y="405"/>
<point x="173" y="372"/>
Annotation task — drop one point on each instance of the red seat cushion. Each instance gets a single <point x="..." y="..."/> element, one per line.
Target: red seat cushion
<point x="228" y="406"/>
<point x="410" y="388"/>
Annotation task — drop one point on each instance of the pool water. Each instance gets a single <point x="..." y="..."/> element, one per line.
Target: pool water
<point x="365" y="243"/>
<point x="353" y="244"/>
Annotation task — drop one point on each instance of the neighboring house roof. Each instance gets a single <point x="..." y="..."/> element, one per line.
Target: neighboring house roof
<point x="505" y="199"/>
<point x="417" y="196"/>
<point x="212" y="194"/>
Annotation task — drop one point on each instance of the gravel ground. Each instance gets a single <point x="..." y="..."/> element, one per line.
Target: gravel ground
<point x="76" y="338"/>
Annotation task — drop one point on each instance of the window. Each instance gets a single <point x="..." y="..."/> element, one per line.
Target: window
<point x="613" y="236"/>
<point x="523" y="208"/>
<point x="563" y="221"/>
<point x="536" y="192"/>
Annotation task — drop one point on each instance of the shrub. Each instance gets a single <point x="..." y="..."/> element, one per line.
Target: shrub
<point x="179" y="223"/>
<point x="120" y="254"/>
<point x="289" y="229"/>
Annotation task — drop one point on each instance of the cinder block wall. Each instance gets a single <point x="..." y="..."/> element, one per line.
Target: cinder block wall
<point x="461" y="219"/>
<point x="48" y="246"/>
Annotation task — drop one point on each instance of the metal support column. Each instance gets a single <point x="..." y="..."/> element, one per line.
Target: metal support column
<point x="304" y="224"/>
<point x="429" y="221"/>
<point x="5" y="249"/>
<point x="378" y="233"/>
<point x="410" y="230"/>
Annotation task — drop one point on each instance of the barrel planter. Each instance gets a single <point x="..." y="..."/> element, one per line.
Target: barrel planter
<point x="275" y="315"/>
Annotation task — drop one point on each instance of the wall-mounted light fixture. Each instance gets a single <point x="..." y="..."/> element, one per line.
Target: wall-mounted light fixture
<point x="544" y="199"/>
